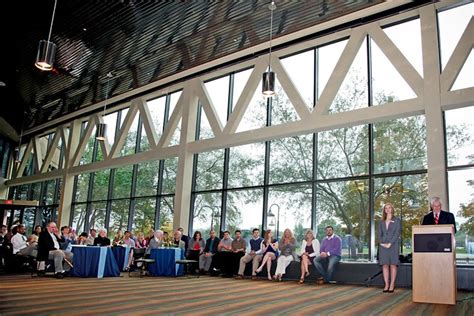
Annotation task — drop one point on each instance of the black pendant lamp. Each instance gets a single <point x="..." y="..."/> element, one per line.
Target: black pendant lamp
<point x="101" y="131"/>
<point x="47" y="49"/>
<point x="268" y="78"/>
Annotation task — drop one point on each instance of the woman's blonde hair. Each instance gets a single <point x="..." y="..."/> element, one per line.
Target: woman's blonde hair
<point x="309" y="232"/>
<point x="384" y="215"/>
<point x="284" y="239"/>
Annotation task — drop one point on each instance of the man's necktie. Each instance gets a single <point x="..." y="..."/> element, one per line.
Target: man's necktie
<point x="436" y="218"/>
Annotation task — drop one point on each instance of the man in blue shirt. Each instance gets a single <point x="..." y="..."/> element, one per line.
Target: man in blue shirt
<point x="255" y="255"/>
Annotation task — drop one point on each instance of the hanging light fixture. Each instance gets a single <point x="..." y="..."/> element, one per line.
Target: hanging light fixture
<point x="102" y="127"/>
<point x="268" y="82"/>
<point x="47" y="49"/>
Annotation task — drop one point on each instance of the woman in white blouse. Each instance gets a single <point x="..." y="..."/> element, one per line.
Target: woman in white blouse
<point x="309" y="250"/>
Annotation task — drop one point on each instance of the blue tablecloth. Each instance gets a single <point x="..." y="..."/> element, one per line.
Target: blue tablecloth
<point x="94" y="262"/>
<point x="165" y="264"/>
<point x="121" y="255"/>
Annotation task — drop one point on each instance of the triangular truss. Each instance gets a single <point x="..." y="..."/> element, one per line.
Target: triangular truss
<point x="310" y="118"/>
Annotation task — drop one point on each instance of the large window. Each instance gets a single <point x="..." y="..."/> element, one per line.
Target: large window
<point x="339" y="177"/>
<point x="244" y="210"/>
<point x="345" y="206"/>
<point x="207" y="212"/>
<point x="460" y="161"/>
<point x="289" y="207"/>
<point x="132" y="196"/>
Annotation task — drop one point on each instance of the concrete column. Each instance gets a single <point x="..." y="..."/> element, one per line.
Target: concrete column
<point x="437" y="176"/>
<point x="182" y="199"/>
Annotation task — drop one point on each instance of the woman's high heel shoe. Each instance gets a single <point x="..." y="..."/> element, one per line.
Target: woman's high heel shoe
<point x="258" y="270"/>
<point x="301" y="281"/>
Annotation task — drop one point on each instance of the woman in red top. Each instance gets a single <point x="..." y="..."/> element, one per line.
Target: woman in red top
<point x="195" y="248"/>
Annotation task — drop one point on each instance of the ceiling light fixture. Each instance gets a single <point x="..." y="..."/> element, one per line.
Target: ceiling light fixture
<point x="47" y="49"/>
<point x="102" y="127"/>
<point x="268" y="83"/>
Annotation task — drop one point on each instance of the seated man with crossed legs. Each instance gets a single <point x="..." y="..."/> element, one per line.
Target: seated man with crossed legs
<point x="49" y="248"/>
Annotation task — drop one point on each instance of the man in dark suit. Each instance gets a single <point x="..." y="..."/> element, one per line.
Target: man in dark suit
<point x="184" y="238"/>
<point x="438" y="216"/>
<point x="49" y="248"/>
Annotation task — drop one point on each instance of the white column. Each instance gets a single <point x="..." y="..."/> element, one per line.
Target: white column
<point x="432" y="100"/>
<point x="182" y="199"/>
<point x="67" y="183"/>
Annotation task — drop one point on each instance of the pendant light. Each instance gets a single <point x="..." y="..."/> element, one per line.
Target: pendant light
<point x="268" y="79"/>
<point x="47" y="49"/>
<point x="102" y="127"/>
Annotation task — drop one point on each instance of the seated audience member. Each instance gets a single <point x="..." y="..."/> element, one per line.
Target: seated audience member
<point x="287" y="253"/>
<point x="118" y="238"/>
<point x="205" y="259"/>
<point x="38" y="230"/>
<point x="254" y="255"/>
<point x="309" y="250"/>
<point x="150" y="236"/>
<point x="140" y="242"/>
<point x="166" y="238"/>
<point x="3" y="244"/>
<point x="196" y="247"/>
<point x="269" y="250"/>
<point x="48" y="248"/>
<point x="102" y="239"/>
<point x="68" y="236"/>
<point x="178" y="242"/>
<point x="92" y="236"/>
<point x="82" y="239"/>
<point x="239" y="245"/>
<point x="127" y="239"/>
<point x="156" y="242"/>
<point x="184" y="238"/>
<point x="21" y="246"/>
<point x="330" y="254"/>
<point x="3" y="233"/>
<point x="224" y="251"/>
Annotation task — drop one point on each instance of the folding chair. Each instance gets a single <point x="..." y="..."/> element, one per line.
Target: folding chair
<point x="140" y="262"/>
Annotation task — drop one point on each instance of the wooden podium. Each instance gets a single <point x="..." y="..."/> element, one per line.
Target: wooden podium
<point x="434" y="264"/>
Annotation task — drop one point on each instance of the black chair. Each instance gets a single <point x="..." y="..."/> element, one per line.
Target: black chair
<point x="48" y="267"/>
<point x="140" y="262"/>
<point x="187" y="263"/>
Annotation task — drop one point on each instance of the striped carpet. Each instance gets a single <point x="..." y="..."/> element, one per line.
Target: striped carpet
<point x="22" y="294"/>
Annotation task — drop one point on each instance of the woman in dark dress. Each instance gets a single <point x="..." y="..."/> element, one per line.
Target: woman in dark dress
<point x="269" y="250"/>
<point x="309" y="250"/>
<point x="389" y="246"/>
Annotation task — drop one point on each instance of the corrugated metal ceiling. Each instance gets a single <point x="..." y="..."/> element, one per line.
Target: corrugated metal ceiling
<point x="140" y="41"/>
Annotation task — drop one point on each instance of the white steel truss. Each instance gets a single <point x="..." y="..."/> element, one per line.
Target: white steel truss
<point x="427" y="101"/>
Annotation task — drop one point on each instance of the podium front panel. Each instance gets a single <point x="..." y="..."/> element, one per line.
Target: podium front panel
<point x="434" y="264"/>
<point x="432" y="243"/>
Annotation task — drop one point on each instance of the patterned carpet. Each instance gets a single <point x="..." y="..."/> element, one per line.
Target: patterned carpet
<point x="22" y="294"/>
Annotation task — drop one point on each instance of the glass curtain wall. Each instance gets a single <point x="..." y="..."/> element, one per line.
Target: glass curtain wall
<point x="339" y="177"/>
<point x="134" y="197"/>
